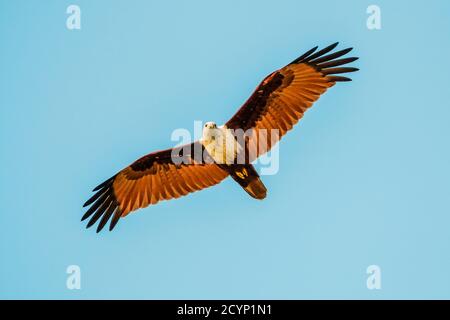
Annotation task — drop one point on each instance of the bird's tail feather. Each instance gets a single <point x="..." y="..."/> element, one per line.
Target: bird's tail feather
<point x="248" y="179"/>
<point x="256" y="189"/>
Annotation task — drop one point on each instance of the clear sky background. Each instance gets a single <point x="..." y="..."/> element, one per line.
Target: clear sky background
<point x="364" y="179"/>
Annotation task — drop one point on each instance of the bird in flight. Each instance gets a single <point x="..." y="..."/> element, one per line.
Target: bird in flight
<point x="276" y="105"/>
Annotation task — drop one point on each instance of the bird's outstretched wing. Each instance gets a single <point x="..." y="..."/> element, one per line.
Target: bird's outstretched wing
<point x="282" y="98"/>
<point x="150" y="179"/>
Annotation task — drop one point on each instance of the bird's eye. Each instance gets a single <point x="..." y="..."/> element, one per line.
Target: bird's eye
<point x="206" y="125"/>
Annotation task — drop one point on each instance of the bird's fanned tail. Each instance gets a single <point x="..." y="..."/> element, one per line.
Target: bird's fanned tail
<point x="248" y="179"/>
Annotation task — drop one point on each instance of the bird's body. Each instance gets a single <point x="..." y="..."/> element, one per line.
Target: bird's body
<point x="220" y="143"/>
<point x="276" y="105"/>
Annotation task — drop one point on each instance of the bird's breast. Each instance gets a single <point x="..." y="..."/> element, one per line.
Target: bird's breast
<point x="222" y="147"/>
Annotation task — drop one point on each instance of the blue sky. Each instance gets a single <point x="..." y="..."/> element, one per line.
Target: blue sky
<point x="364" y="178"/>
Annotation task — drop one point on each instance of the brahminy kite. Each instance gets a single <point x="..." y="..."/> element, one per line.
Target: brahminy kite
<point x="277" y="104"/>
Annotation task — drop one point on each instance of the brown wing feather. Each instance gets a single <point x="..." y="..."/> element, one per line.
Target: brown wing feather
<point x="151" y="179"/>
<point x="282" y="98"/>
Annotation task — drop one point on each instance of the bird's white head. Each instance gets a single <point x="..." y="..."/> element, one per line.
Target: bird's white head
<point x="209" y="131"/>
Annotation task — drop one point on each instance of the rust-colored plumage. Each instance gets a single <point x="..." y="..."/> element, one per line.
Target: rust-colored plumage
<point x="279" y="102"/>
<point x="282" y="98"/>
<point x="152" y="178"/>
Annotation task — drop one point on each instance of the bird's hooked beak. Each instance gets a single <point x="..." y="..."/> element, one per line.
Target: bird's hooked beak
<point x="210" y="125"/>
